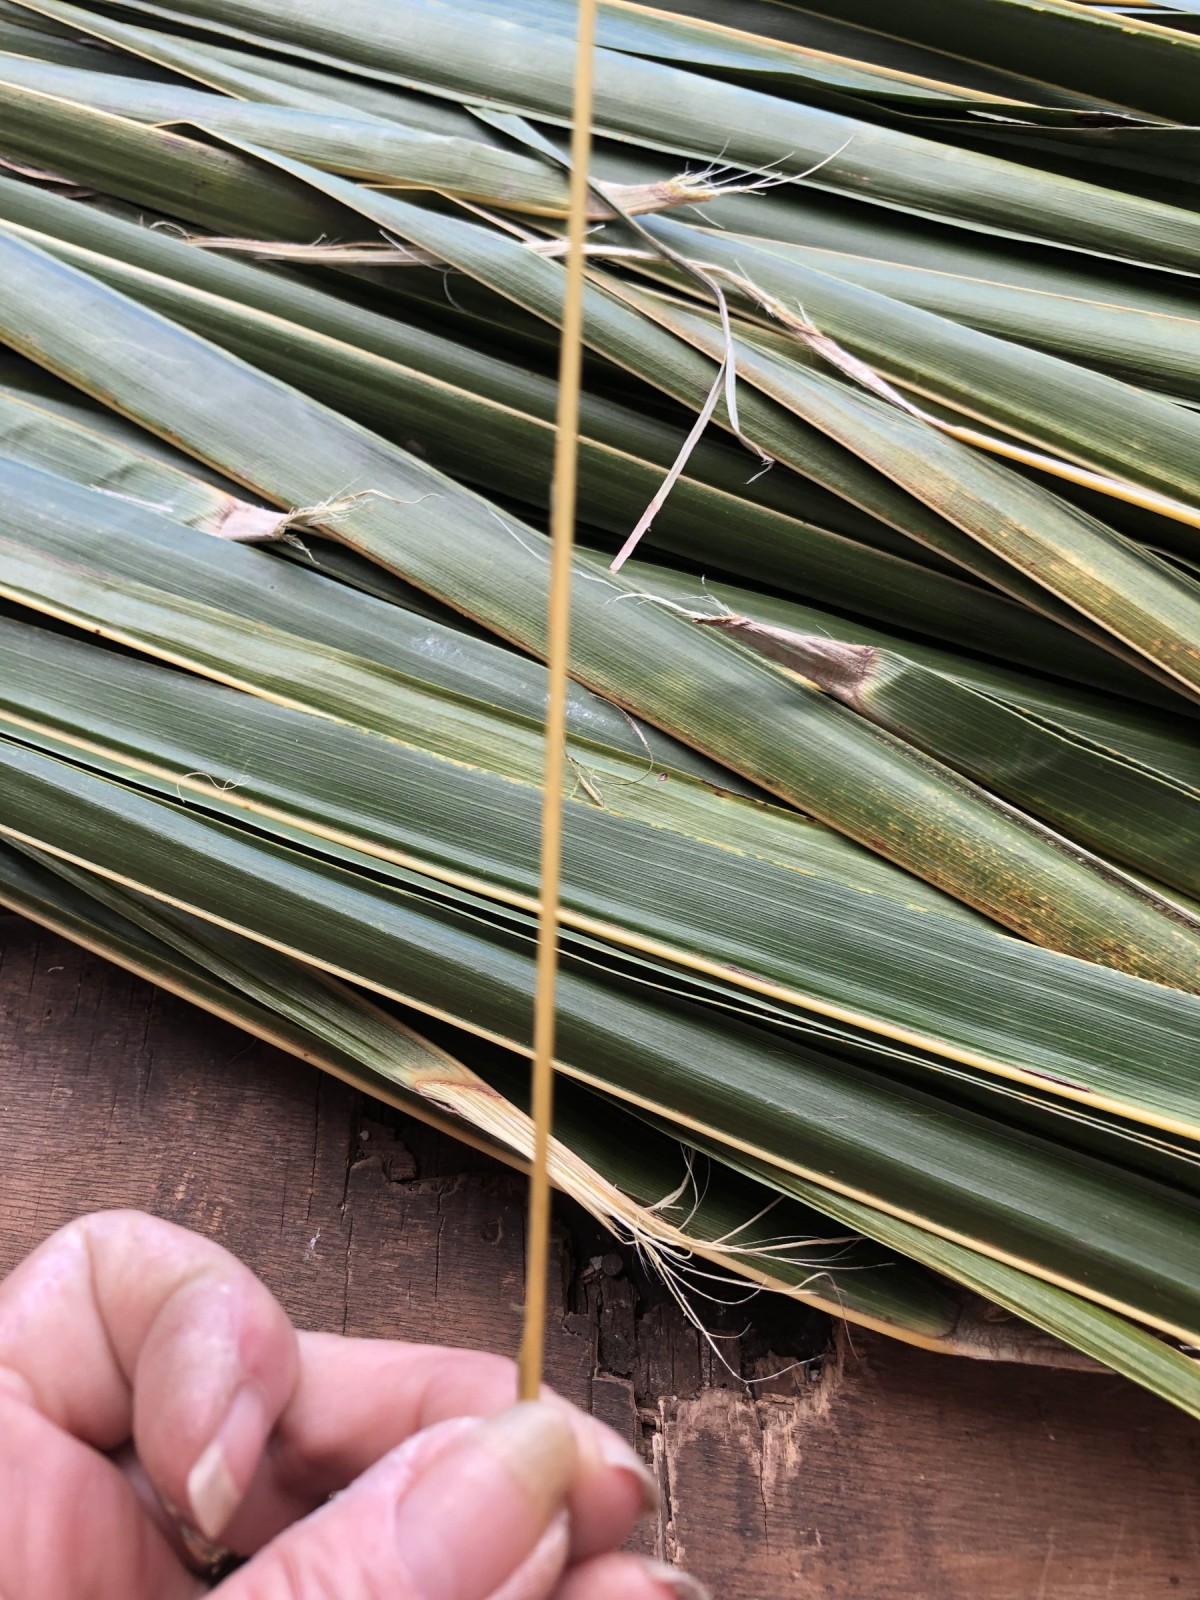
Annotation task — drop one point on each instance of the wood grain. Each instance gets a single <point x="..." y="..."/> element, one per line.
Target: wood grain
<point x="855" y="1470"/>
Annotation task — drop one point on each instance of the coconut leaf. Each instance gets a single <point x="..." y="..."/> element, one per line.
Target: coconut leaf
<point x="1163" y="743"/>
<point x="1111" y="581"/>
<point x="1143" y="339"/>
<point x="841" y="1128"/>
<point x="1078" y="904"/>
<point x="755" y="921"/>
<point x="327" y="1025"/>
<point x="464" y="54"/>
<point x="954" y="629"/>
<point x="1064" y="409"/>
<point x="1128" y="812"/>
<point x="1130" y="1350"/>
<point x="1133" y="63"/>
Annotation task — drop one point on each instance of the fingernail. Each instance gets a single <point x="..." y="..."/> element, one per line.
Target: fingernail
<point x="622" y="1457"/>
<point x="477" y="1513"/>
<point x="673" y="1584"/>
<point x="537" y="1445"/>
<point x="218" y="1480"/>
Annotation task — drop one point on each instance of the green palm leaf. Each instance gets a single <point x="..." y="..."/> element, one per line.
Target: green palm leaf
<point x="290" y="275"/>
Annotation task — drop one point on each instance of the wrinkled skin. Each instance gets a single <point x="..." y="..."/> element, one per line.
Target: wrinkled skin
<point x="148" y="1382"/>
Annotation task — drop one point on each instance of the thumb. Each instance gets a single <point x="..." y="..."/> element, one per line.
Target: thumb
<point x="451" y="1515"/>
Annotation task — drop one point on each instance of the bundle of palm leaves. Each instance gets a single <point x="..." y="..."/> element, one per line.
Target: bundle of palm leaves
<point x="881" y="932"/>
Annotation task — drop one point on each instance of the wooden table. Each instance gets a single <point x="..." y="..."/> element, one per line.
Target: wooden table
<point x="854" y="1469"/>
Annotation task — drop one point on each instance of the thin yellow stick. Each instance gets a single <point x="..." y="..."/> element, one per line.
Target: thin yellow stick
<point x="562" y="530"/>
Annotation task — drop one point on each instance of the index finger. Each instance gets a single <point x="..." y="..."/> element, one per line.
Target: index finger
<point x="121" y="1325"/>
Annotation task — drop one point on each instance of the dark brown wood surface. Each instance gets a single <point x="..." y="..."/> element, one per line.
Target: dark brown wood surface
<point x="857" y="1470"/>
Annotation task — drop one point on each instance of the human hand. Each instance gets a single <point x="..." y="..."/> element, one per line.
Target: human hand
<point x="149" y="1380"/>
